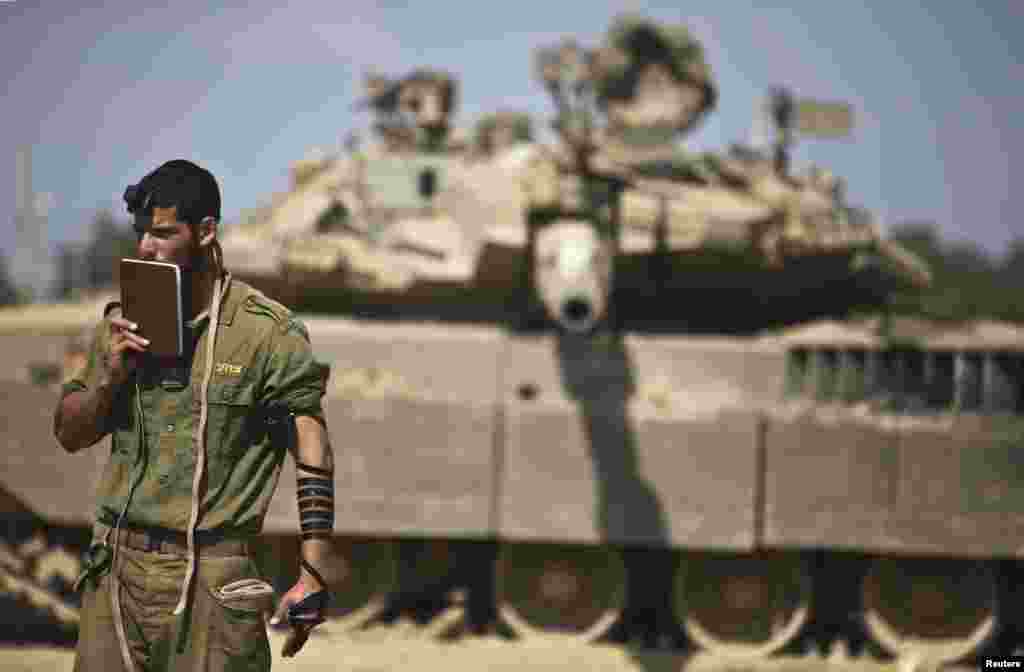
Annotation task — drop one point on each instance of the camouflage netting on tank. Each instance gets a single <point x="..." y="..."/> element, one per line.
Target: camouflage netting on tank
<point x="633" y="41"/>
<point x="309" y="167"/>
<point x="637" y="55"/>
<point x="362" y="264"/>
<point x="736" y="202"/>
<point x="383" y="93"/>
<point x="366" y="222"/>
<point x="413" y="112"/>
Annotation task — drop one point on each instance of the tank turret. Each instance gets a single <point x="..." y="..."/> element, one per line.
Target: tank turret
<point x="701" y="230"/>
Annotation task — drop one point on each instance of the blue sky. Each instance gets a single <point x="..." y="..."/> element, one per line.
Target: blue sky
<point x="107" y="93"/>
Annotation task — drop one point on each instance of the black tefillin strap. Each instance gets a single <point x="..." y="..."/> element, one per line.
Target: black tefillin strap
<point x="316" y="520"/>
<point x="316" y="501"/>
<point x="310" y="609"/>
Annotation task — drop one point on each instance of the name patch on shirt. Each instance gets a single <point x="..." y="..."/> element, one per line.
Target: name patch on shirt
<point x="226" y="369"/>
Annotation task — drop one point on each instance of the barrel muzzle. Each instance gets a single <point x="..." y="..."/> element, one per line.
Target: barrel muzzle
<point x="573" y="275"/>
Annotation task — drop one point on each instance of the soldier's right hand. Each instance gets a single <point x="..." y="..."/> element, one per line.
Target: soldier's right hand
<point x="125" y="346"/>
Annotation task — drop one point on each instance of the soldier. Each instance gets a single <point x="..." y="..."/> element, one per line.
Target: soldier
<point x="414" y="112"/>
<point x="652" y="82"/>
<point x="197" y="448"/>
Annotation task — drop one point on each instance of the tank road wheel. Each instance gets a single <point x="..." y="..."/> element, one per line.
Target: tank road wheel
<point x="426" y="578"/>
<point x="361" y="572"/>
<point x="939" y="610"/>
<point x="568" y="591"/>
<point x="743" y="605"/>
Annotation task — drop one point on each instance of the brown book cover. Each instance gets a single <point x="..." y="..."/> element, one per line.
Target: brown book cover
<point x="151" y="297"/>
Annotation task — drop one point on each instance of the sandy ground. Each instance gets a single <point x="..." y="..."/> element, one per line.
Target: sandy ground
<point x="404" y="647"/>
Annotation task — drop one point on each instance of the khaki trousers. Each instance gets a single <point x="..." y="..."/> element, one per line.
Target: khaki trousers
<point x="224" y="624"/>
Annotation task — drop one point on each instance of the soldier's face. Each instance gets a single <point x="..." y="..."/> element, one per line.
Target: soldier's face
<point x="163" y="237"/>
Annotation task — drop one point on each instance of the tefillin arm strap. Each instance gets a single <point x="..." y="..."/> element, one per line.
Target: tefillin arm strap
<point x="315" y="493"/>
<point x="316" y="520"/>
<point x="316" y="501"/>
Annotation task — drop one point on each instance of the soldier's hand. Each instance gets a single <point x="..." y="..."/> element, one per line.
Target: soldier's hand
<point x="300" y="627"/>
<point x="125" y="346"/>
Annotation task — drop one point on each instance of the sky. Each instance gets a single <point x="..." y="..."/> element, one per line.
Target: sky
<point x="105" y="92"/>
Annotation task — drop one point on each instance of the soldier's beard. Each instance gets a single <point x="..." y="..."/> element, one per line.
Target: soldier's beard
<point x="192" y="267"/>
<point x="192" y="276"/>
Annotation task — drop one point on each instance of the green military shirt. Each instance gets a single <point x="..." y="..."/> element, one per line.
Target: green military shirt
<point x="263" y="364"/>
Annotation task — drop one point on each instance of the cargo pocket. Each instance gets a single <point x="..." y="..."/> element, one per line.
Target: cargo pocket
<point x="238" y="632"/>
<point x="245" y="597"/>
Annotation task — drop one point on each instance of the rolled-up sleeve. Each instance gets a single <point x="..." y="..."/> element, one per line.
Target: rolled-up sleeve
<point x="295" y="381"/>
<point x="87" y="376"/>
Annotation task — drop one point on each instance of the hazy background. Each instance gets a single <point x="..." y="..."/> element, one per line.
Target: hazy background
<point x="106" y="93"/>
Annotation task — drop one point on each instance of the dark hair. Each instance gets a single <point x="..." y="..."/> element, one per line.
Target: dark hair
<point x="180" y="184"/>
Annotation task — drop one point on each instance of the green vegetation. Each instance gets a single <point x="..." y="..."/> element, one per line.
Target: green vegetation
<point x="968" y="283"/>
<point x="95" y="265"/>
<point x="8" y="292"/>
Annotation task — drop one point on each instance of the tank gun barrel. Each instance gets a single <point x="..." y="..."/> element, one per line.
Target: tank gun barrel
<point x="573" y="275"/>
<point x="907" y="263"/>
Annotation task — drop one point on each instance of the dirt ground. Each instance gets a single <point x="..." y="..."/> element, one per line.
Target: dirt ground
<point x="403" y="647"/>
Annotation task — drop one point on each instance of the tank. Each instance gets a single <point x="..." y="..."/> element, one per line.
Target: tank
<point x="605" y="390"/>
<point x="44" y="499"/>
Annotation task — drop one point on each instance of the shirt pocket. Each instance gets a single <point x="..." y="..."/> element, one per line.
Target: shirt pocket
<point x="233" y="422"/>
